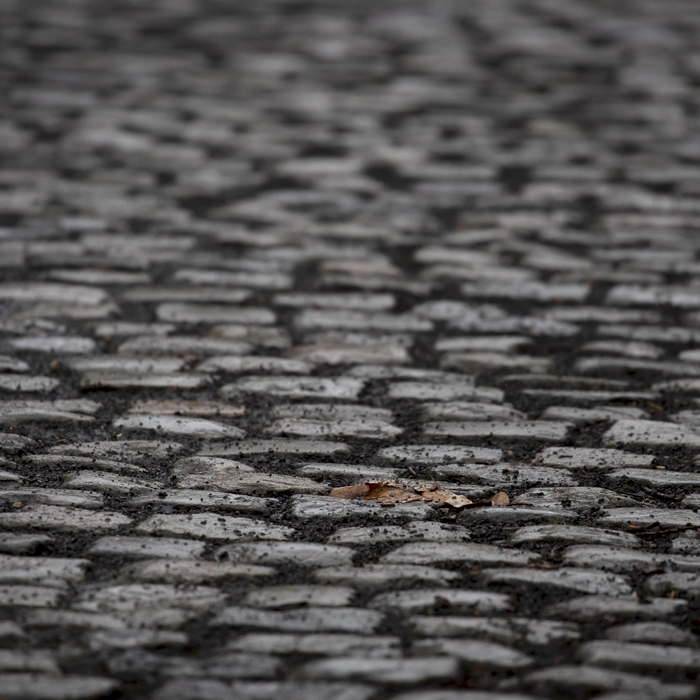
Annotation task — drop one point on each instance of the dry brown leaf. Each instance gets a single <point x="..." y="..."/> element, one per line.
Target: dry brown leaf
<point x="355" y="491"/>
<point x="392" y="492"/>
<point x="438" y="494"/>
<point x="389" y="493"/>
<point x="500" y="499"/>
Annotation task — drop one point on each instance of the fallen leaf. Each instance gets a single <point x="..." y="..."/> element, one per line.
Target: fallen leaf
<point x="438" y="494"/>
<point x="389" y="492"/>
<point x="392" y="492"/>
<point x="500" y="499"/>
<point x="355" y="491"/>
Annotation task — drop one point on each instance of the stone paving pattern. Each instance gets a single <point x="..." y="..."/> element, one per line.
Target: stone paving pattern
<point x="250" y="251"/>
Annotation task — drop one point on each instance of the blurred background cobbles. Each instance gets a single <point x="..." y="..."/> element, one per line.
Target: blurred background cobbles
<point x="250" y="251"/>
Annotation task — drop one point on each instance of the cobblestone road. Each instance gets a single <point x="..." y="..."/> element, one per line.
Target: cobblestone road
<point x="252" y="251"/>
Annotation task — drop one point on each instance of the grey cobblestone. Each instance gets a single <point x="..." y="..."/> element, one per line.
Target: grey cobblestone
<point x="253" y="252"/>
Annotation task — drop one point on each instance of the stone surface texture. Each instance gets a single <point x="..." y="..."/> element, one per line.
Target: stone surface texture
<point x="254" y="251"/>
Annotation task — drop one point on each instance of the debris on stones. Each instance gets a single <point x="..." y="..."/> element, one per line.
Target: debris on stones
<point x="392" y="492"/>
<point x="500" y="499"/>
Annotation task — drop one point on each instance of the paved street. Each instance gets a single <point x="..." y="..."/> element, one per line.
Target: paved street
<point x="442" y="251"/>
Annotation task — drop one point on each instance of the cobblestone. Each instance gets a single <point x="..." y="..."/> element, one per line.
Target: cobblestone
<point x="590" y="608"/>
<point x="211" y="526"/>
<point x="346" y="619"/>
<point x="251" y="252"/>
<point x="394" y="671"/>
<point x="568" y="578"/>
